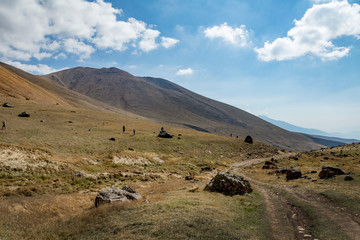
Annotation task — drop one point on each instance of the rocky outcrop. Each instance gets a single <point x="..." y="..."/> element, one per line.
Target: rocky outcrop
<point x="115" y="194"/>
<point x="293" y="173"/>
<point x="229" y="184"/>
<point x="329" y="172"/>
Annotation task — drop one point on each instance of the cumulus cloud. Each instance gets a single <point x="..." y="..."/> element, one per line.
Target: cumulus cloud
<point x="42" y="29"/>
<point x="168" y="42"/>
<point x="314" y="33"/>
<point x="186" y="71"/>
<point x="40" y="69"/>
<point x="235" y="36"/>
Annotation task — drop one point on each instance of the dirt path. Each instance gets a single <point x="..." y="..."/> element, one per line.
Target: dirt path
<point x="290" y="221"/>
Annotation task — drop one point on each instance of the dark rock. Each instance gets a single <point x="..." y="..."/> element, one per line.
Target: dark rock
<point x="165" y="134"/>
<point x="249" y="139"/>
<point x="115" y="194"/>
<point x="188" y="178"/>
<point x="112" y="139"/>
<point x="274" y="160"/>
<point x="326" y="158"/>
<point x="71" y="121"/>
<point x="348" y="178"/>
<point x="24" y="114"/>
<point x="130" y="149"/>
<point x="196" y="180"/>
<point x="313" y="171"/>
<point x="293" y="173"/>
<point x="206" y="168"/>
<point x="281" y="171"/>
<point x="329" y="172"/>
<point x="269" y="165"/>
<point x="8" y="105"/>
<point x="229" y="184"/>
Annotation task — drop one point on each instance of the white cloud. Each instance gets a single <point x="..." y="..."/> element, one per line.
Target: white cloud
<point x="168" y="42"/>
<point x="235" y="36"/>
<point x="147" y="42"/>
<point x="37" y="69"/>
<point x="79" y="48"/>
<point x="186" y="71"/>
<point x="41" y="29"/>
<point x="313" y="34"/>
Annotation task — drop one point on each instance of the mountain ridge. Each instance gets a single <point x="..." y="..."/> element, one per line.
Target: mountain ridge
<point x="161" y="100"/>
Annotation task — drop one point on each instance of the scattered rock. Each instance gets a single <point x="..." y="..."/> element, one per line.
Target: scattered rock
<point x="206" y="168"/>
<point x="188" y="178"/>
<point x="8" y="105"/>
<point x="249" y="139"/>
<point x="165" y="134"/>
<point x="281" y="171"/>
<point x="112" y="139"/>
<point x="274" y="160"/>
<point x="329" y="172"/>
<point x="293" y="173"/>
<point x="130" y="149"/>
<point x="229" y="184"/>
<point x="269" y="165"/>
<point x="78" y="174"/>
<point x="24" y="114"/>
<point x="196" y="180"/>
<point x="348" y="178"/>
<point x="115" y="194"/>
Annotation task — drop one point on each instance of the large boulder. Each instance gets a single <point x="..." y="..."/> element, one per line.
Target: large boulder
<point x="329" y="172"/>
<point x="165" y="134"/>
<point x="249" y="139"/>
<point x="229" y="184"/>
<point x="116" y="194"/>
<point x="293" y="173"/>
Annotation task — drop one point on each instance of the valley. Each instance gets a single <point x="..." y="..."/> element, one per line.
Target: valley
<point x="54" y="163"/>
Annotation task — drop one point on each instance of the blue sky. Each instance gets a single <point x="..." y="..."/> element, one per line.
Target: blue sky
<point x="296" y="61"/>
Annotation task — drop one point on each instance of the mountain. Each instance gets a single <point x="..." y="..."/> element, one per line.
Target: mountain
<point x="318" y="136"/>
<point x="164" y="101"/>
<point x="22" y="85"/>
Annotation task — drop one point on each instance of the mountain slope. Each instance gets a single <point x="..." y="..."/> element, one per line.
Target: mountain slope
<point x="164" y="101"/>
<point x="20" y="84"/>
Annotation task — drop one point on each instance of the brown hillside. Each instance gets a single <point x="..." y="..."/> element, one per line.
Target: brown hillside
<point x="13" y="85"/>
<point x="164" y="101"/>
<point x="20" y="84"/>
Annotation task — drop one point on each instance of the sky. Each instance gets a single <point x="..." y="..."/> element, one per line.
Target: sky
<point x="297" y="61"/>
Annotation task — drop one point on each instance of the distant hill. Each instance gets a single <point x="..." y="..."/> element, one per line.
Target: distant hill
<point x="164" y="101"/>
<point x="318" y="136"/>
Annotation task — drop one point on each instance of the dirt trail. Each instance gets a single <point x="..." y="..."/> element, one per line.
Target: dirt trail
<point x="288" y="221"/>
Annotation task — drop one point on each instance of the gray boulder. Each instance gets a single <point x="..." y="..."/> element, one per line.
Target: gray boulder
<point x="116" y="194"/>
<point x="229" y="184"/>
<point x="8" y="105"/>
